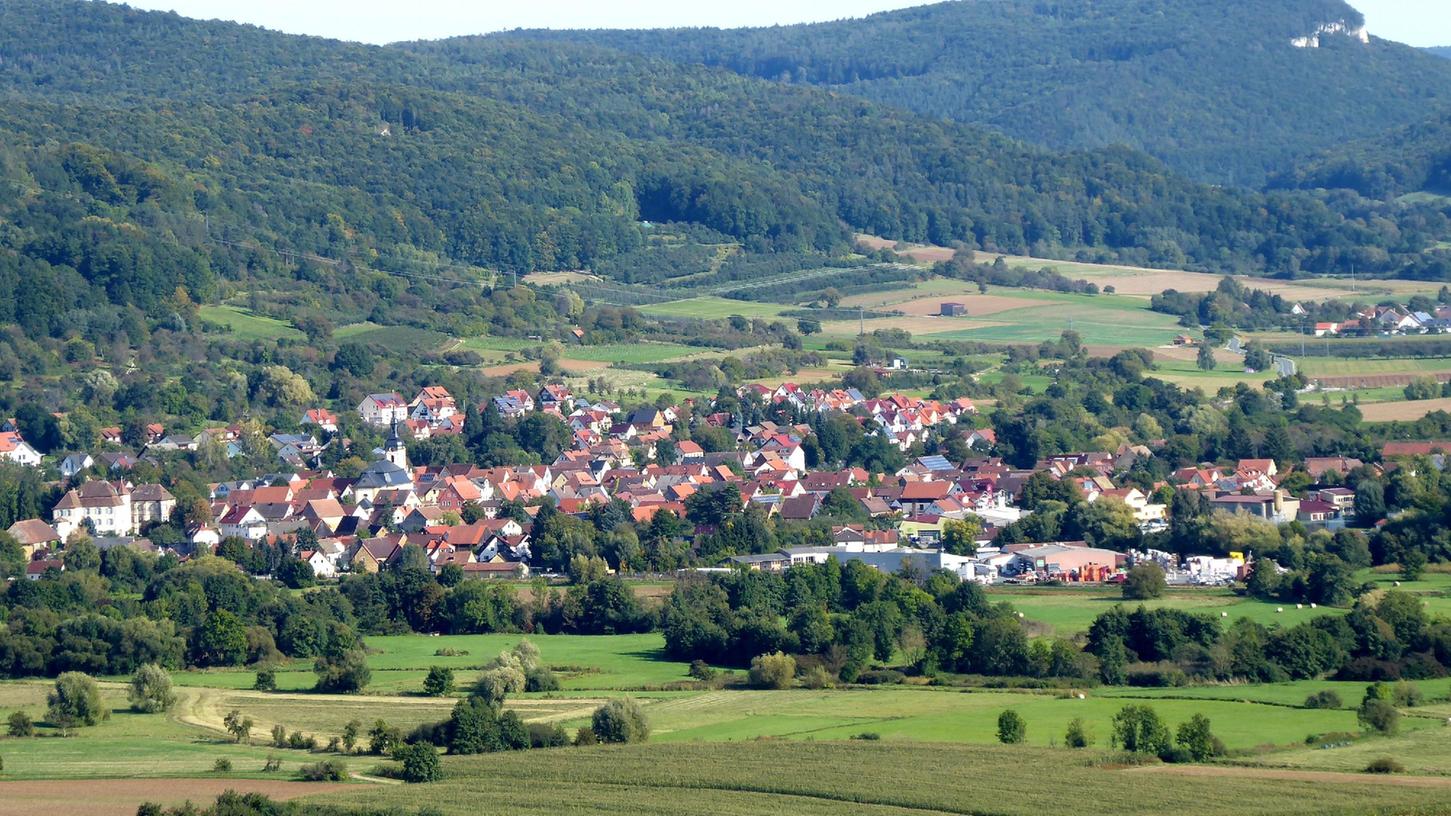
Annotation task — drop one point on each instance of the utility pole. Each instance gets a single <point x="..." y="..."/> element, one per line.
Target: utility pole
<point x="861" y="316"/>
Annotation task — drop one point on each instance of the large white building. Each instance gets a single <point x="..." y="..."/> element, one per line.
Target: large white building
<point x="112" y="508"/>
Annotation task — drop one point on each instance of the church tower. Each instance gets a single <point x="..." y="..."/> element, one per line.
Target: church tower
<point x="395" y="451"/>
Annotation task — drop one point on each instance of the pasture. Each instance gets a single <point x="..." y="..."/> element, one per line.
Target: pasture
<point x="245" y="324"/>
<point x="1069" y="610"/>
<point x="710" y="307"/>
<point x="832" y="778"/>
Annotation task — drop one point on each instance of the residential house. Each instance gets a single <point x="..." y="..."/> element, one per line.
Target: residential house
<point x="321" y="418"/>
<point x="15" y="449"/>
<point x="382" y="410"/>
<point x="433" y="405"/>
<point x="34" y="536"/>
<point x="73" y="464"/>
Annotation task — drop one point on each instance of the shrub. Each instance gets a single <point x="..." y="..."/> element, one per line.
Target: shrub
<point x="382" y="737"/>
<point x="817" y="677"/>
<point x="867" y="736"/>
<point x="75" y="701"/>
<point x="438" y="682"/>
<point x="1324" y="699"/>
<point x="701" y="670"/>
<point x="299" y="742"/>
<point x="1077" y="735"/>
<point x="1407" y="695"/>
<point x="1012" y="728"/>
<point x="1155" y="675"/>
<point x="540" y="678"/>
<point x="222" y="765"/>
<point x="547" y="735"/>
<point x="329" y="770"/>
<point x="344" y="673"/>
<point x="350" y="735"/>
<point x="1379" y="715"/>
<point x="279" y="736"/>
<point x="620" y="720"/>
<point x="238" y="726"/>
<point x="881" y="677"/>
<point x="495" y="685"/>
<point x="1145" y="581"/>
<point x="772" y="671"/>
<point x="1385" y="765"/>
<point x="1138" y="729"/>
<point x="266" y="680"/>
<point x="1197" y="740"/>
<point x="585" y="736"/>
<point x="448" y="652"/>
<point x="272" y="765"/>
<point x="420" y="762"/>
<point x="150" y="690"/>
<point x="20" y="725"/>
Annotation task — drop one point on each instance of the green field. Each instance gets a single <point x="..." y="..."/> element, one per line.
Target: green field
<point x="246" y="325"/>
<point x="715" y="308"/>
<point x="631" y="353"/>
<point x="406" y="338"/>
<point x="1069" y="610"/>
<point x="746" y="779"/>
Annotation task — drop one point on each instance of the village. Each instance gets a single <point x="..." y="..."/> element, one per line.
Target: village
<point x="933" y="514"/>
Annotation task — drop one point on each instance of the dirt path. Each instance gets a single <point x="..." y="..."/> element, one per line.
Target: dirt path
<point x="121" y="797"/>
<point x="1331" y="777"/>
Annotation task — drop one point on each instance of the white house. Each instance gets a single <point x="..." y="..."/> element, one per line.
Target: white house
<point x="15" y="449"/>
<point x="383" y="410"/>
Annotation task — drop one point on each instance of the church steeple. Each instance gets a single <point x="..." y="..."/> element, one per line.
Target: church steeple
<point x="394" y="450"/>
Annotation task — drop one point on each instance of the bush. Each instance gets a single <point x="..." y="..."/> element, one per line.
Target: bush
<point x="1379" y="715"/>
<point x="1137" y="729"/>
<point x="266" y="680"/>
<point x="772" y="671"/>
<point x="329" y="770"/>
<point x="20" y="725"/>
<point x="620" y="720"/>
<point x="867" y="736"/>
<point x="1145" y="581"/>
<point x="222" y="765"/>
<point x="585" y="736"/>
<point x="298" y="742"/>
<point x="1385" y="765"/>
<point x="1324" y="699"/>
<point x="540" y="678"/>
<point x="701" y="670"/>
<point x="881" y="677"/>
<point x="1155" y="675"/>
<point x="1197" y="740"/>
<point x="75" y="701"/>
<point x="1012" y="728"/>
<point x="150" y="690"/>
<point x="420" y="762"/>
<point x="344" y="673"/>
<point x="1077" y="735"/>
<point x="1407" y="695"/>
<point x="448" y="652"/>
<point x="547" y="735"/>
<point x="438" y="682"/>
<point x="817" y="677"/>
<point x="279" y="736"/>
<point x="382" y="737"/>
<point x="272" y="765"/>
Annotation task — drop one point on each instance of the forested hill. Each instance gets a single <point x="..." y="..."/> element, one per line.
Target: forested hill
<point x="1441" y="51"/>
<point x="1215" y="89"/>
<point x="1414" y="159"/>
<point x="521" y="155"/>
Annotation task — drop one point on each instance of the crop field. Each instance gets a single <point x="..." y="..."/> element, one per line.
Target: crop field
<point x="830" y="779"/>
<point x="1403" y="410"/>
<point x="394" y="337"/>
<point x="247" y="325"/>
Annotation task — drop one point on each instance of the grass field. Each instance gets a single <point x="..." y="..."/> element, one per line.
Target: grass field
<point x="714" y="308"/>
<point x="1069" y="610"/>
<point x="246" y="325"/>
<point x="406" y="338"/>
<point x="867" y="778"/>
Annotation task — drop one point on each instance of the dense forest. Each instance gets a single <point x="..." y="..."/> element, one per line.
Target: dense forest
<point x="1214" y="89"/>
<point x="1412" y="159"/>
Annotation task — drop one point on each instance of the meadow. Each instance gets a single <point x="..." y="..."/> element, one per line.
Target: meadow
<point x="1070" y="610"/>
<point x="247" y="325"/>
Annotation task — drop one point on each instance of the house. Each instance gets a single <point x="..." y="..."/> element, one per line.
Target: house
<point x="243" y="522"/>
<point x="953" y="310"/>
<point x="1276" y="506"/>
<point x="555" y="398"/>
<point x="150" y="503"/>
<point x="103" y="506"/>
<point x="33" y="535"/>
<point x="382" y="410"/>
<point x="15" y="449"/>
<point x="1318" y="466"/>
<point x="1324" y="329"/>
<point x="321" y="418"/>
<point x="73" y="464"/>
<point x="918" y="497"/>
<point x="371" y="554"/>
<point x="36" y="570"/>
<point x="433" y="405"/>
<point x="1319" y="513"/>
<point x="1341" y="498"/>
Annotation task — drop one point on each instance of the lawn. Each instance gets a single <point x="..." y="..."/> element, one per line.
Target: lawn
<point x="863" y="778"/>
<point x="246" y="325"/>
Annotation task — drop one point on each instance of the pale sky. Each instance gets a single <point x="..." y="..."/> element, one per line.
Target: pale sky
<point x="1415" y="22"/>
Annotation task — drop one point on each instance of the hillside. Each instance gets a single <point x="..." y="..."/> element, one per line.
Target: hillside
<point x="1216" y="90"/>
<point x="1413" y="159"/>
<point x="1441" y="51"/>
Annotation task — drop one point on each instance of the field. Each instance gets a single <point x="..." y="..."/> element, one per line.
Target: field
<point x="120" y="797"/>
<point x="1403" y="410"/>
<point x="714" y="308"/>
<point x="394" y="337"/>
<point x="865" y="778"/>
<point x="1069" y="610"/>
<point x="246" y="325"/>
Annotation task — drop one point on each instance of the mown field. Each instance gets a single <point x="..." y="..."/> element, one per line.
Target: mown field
<point x="866" y="778"/>
<point x="247" y="325"/>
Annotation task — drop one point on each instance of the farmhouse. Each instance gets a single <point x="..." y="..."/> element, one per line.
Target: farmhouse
<point x="954" y="309"/>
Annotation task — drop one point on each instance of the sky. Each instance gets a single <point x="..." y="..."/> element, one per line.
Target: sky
<point x="1415" y="22"/>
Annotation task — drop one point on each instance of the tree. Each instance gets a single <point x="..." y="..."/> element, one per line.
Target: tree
<point x="1370" y="502"/>
<point x="959" y="537"/>
<point x="1076" y="735"/>
<point x="344" y="672"/>
<point x="1413" y="563"/>
<point x="20" y="725"/>
<point x="82" y="555"/>
<point x="350" y="734"/>
<point x="1205" y="359"/>
<point x="238" y="726"/>
<point x="74" y="701"/>
<point x="773" y="671"/>
<point x="1144" y="581"/>
<point x="220" y="641"/>
<point x="1197" y="740"/>
<point x="420" y="762"/>
<point x="620" y="720"/>
<point x="438" y="682"/>
<point x="266" y="680"/>
<point x="1012" y="728"/>
<point x="150" y="690"/>
<point x="1138" y="729"/>
<point x="1379" y="714"/>
<point x="383" y="738"/>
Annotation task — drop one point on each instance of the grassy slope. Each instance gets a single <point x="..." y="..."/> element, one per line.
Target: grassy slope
<point x="246" y="325"/>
